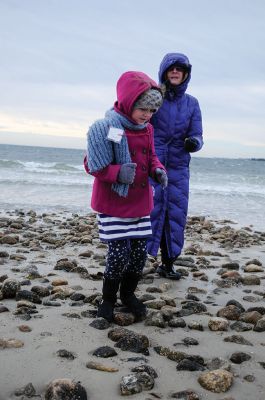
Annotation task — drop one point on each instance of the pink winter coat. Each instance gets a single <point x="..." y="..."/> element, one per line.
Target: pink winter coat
<point x="139" y="201"/>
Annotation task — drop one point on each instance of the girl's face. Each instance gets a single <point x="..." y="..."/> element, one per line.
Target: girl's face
<point x="142" y="115"/>
<point x="175" y="75"/>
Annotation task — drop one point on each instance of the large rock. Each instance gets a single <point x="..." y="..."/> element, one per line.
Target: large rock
<point x="218" y="324"/>
<point x="65" y="389"/>
<point x="229" y="312"/>
<point x="216" y="381"/>
<point x="10" y="288"/>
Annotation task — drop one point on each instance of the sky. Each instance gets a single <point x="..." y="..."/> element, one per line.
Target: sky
<point x="61" y="59"/>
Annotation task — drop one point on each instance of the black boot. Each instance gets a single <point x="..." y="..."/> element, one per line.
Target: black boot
<point x="109" y="297"/>
<point x="129" y="283"/>
<point x="167" y="271"/>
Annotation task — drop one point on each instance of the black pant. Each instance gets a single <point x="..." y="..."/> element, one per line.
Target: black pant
<point x="166" y="260"/>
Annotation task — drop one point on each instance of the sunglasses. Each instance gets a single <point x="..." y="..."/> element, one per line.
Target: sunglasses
<point x="177" y="68"/>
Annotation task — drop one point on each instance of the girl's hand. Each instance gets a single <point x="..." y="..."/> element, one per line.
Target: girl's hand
<point x="127" y="173"/>
<point x="161" y="176"/>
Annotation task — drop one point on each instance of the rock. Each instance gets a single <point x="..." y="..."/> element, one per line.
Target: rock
<point x="169" y="300"/>
<point x="218" y="363"/>
<point x="129" y="340"/>
<point x="3" y="309"/>
<point x="196" y="326"/>
<point x="229" y="312"/>
<point x="155" y="319"/>
<point x="66" y="354"/>
<point x="254" y="261"/>
<point x="155" y="304"/>
<point x="253" y="268"/>
<point x="10" y="343"/>
<point x="41" y="291"/>
<point x="239" y="357"/>
<point x="28" y="295"/>
<point x="11" y="240"/>
<point x="146" y="297"/>
<point x="124" y="319"/>
<point x="65" y="265"/>
<point x="218" y="324"/>
<point x="105" y="352"/>
<point x="135" y="383"/>
<point x="65" y="389"/>
<point x="237" y="339"/>
<point x="235" y="303"/>
<point x="231" y="265"/>
<point x="51" y="303"/>
<point x="100" y="367"/>
<point x="153" y="289"/>
<point x="193" y="289"/>
<point x="145" y="368"/>
<point x="28" y="391"/>
<point x="251" y="317"/>
<point x="9" y="288"/>
<point x="240" y="326"/>
<point x="24" y="328"/>
<point x="177" y="323"/>
<point x="100" y="323"/>
<point x="249" y="378"/>
<point x="189" y="341"/>
<point x="185" y="395"/>
<point x="146" y="381"/>
<point x="59" y="282"/>
<point x="251" y="280"/>
<point x="195" y="307"/>
<point x="260" y="325"/>
<point x="130" y="385"/>
<point x="77" y="296"/>
<point x="216" y="381"/>
<point x="260" y="309"/>
<point x="86" y="254"/>
<point x="188" y="365"/>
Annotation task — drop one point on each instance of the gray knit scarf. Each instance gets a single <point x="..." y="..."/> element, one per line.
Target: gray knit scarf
<point x="101" y="151"/>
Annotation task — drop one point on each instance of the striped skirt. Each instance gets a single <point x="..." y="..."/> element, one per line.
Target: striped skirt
<point x="114" y="228"/>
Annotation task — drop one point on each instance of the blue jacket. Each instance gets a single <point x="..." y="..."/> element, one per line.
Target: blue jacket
<point x="178" y="118"/>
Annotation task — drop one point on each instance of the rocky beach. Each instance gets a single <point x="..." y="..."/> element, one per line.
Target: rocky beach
<point x="203" y="337"/>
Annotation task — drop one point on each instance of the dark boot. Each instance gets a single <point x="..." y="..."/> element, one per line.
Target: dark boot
<point x="109" y="297"/>
<point x="129" y="283"/>
<point x="167" y="271"/>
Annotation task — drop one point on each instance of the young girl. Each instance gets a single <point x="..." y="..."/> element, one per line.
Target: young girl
<point x="177" y="133"/>
<point x="121" y="157"/>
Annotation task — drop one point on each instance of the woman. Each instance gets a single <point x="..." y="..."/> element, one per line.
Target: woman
<point x="177" y="133"/>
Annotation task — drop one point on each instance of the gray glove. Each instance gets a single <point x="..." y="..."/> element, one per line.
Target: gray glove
<point x="127" y="173"/>
<point x="161" y="176"/>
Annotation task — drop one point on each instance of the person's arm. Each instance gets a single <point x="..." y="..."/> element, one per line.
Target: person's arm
<point x="194" y="140"/>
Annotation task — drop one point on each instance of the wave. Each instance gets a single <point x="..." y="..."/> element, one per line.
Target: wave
<point x="32" y="166"/>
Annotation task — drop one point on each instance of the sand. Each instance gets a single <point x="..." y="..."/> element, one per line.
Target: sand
<point x="45" y="239"/>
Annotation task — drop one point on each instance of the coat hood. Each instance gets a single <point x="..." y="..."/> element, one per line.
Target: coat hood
<point x="170" y="59"/>
<point x="129" y="87"/>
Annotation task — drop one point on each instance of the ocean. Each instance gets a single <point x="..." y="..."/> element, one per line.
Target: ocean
<point x="53" y="179"/>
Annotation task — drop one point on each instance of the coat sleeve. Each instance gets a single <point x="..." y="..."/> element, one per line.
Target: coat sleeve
<point x="154" y="161"/>
<point x="108" y="174"/>
<point x="195" y="127"/>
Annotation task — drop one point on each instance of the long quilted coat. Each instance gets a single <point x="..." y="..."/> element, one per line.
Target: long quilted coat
<point x="178" y="118"/>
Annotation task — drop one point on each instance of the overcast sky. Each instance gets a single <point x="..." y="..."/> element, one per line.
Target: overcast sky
<point x="60" y="60"/>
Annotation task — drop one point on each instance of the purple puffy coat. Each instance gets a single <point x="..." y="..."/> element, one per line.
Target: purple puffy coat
<point x="178" y="118"/>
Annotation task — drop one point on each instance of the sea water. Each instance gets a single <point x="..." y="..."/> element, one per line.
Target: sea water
<point x="52" y="179"/>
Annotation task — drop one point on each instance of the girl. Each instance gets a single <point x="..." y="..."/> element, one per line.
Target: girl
<point x="177" y="133"/>
<point x="121" y="157"/>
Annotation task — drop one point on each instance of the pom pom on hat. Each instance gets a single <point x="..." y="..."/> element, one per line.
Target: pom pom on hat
<point x="151" y="99"/>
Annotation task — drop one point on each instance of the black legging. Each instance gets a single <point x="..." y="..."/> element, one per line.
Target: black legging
<point x="128" y="255"/>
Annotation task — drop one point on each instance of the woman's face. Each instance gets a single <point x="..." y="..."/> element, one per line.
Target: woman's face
<point x="175" y="75"/>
